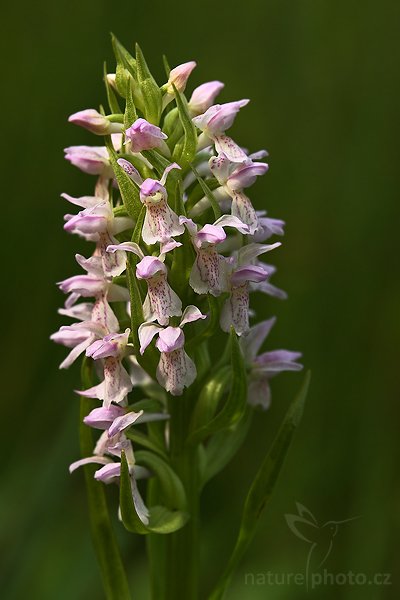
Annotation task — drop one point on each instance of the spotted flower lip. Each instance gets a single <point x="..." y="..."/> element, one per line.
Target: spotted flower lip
<point x="115" y="386"/>
<point x="175" y="370"/>
<point x="209" y="271"/>
<point x="145" y="136"/>
<point x="161" y="301"/>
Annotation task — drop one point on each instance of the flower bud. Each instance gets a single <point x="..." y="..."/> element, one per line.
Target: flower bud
<point x="179" y="76"/>
<point x="89" y="159"/>
<point x="94" y="122"/>
<point x="111" y="80"/>
<point x="219" y="118"/>
<point x="203" y="97"/>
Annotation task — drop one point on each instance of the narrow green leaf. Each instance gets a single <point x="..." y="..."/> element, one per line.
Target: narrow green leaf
<point x="197" y="193"/>
<point x="208" y="193"/>
<point x="173" y="493"/>
<point x="140" y="438"/>
<point x="122" y="55"/>
<point x="151" y="92"/>
<point x="223" y="446"/>
<point x="190" y="136"/>
<point x="159" y="162"/>
<point x="162" y="519"/>
<point x="112" y="570"/>
<point x="130" y="518"/>
<point x="166" y="65"/>
<point x="130" y="115"/>
<point x="148" y="405"/>
<point x="172" y="127"/>
<point x="137" y="232"/>
<point x="122" y="75"/>
<point x="262" y="487"/>
<point x="111" y="97"/>
<point x="129" y="193"/>
<point x="143" y="71"/>
<point x="209" y="398"/>
<point x="137" y="317"/>
<point x="235" y="406"/>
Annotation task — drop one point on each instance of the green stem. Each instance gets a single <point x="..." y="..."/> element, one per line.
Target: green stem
<point x="182" y="547"/>
<point x="156" y="550"/>
<point x="107" y="551"/>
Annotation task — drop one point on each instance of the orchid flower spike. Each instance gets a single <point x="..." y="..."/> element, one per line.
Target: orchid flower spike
<point x="170" y="188"/>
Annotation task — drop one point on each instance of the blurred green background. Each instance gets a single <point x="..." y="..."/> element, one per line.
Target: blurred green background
<point x="324" y="87"/>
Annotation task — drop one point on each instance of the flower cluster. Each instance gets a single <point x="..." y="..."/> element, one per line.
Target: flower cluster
<point x="169" y="218"/>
